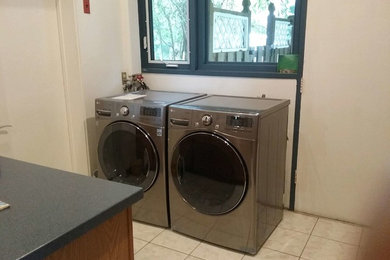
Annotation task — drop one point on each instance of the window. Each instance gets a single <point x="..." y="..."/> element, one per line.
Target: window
<point x="220" y="37"/>
<point x="168" y="31"/>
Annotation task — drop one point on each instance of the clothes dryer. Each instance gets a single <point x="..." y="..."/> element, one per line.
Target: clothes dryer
<point x="226" y="169"/>
<point x="132" y="147"/>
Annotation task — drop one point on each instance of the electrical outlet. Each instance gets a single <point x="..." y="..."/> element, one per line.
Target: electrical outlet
<point x="86" y="5"/>
<point x="124" y="78"/>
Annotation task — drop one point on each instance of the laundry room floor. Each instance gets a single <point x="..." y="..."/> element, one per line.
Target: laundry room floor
<point x="298" y="236"/>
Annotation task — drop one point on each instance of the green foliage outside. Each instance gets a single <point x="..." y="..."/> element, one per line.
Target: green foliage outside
<point x="170" y="28"/>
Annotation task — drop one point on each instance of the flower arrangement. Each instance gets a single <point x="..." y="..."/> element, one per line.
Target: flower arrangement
<point x="137" y="83"/>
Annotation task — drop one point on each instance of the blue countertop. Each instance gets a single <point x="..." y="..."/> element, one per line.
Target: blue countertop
<point x="50" y="208"/>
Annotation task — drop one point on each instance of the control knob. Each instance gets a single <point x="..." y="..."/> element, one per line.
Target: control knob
<point x="124" y="111"/>
<point x="207" y="120"/>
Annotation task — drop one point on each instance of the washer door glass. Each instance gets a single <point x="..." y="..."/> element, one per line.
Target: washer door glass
<point x="127" y="154"/>
<point x="209" y="173"/>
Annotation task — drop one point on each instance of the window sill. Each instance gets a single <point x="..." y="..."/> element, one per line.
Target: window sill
<point x="223" y="73"/>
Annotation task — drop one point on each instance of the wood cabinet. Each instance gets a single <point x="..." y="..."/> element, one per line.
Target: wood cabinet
<point x="112" y="239"/>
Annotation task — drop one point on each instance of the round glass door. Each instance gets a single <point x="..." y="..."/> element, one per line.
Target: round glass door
<point x="209" y="173"/>
<point x="127" y="154"/>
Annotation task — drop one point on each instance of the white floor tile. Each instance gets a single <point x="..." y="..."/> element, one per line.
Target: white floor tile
<point x="362" y="254"/>
<point x="210" y="252"/>
<point x="138" y="244"/>
<point x="175" y="241"/>
<point x="145" y="232"/>
<point x="298" y="222"/>
<point x="268" y="254"/>
<point x="339" y="231"/>
<point x="151" y="252"/>
<point x="368" y="234"/>
<point x="324" y="249"/>
<point x="330" y="240"/>
<point x="287" y="241"/>
<point x="190" y="257"/>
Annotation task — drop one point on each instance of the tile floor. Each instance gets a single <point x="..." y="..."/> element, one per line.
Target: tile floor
<point x="298" y="236"/>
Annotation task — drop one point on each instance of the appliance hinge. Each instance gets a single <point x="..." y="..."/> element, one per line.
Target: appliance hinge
<point x="295" y="176"/>
<point x="301" y="86"/>
<point x="145" y="39"/>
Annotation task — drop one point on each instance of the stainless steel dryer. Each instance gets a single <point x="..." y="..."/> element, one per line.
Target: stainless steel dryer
<point x="132" y="147"/>
<point x="226" y="169"/>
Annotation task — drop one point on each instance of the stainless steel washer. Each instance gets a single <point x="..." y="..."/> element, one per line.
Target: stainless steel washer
<point x="132" y="146"/>
<point x="226" y="169"/>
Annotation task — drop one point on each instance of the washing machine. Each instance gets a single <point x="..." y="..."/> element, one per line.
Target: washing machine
<point x="227" y="168"/>
<point x="132" y="147"/>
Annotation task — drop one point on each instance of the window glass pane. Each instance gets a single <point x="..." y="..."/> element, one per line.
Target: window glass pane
<point x="168" y="31"/>
<point x="250" y="30"/>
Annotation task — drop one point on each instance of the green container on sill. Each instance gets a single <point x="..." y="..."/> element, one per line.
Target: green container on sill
<point x="288" y="63"/>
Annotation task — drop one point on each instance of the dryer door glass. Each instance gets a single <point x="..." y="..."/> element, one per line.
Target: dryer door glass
<point x="127" y="154"/>
<point x="209" y="173"/>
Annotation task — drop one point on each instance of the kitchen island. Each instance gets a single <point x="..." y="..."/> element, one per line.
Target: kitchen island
<point x="56" y="214"/>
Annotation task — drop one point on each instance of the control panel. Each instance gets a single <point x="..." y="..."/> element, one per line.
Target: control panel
<point x="244" y="124"/>
<point x="237" y="121"/>
<point x="150" y="111"/>
<point x="151" y="115"/>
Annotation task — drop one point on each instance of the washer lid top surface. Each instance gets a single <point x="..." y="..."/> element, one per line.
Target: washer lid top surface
<point x="235" y="104"/>
<point x="168" y="97"/>
<point x="162" y="98"/>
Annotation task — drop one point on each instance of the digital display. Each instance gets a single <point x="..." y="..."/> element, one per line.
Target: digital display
<point x="238" y="121"/>
<point x="150" y="111"/>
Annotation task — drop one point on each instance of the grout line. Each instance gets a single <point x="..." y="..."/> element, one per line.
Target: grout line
<point x="141" y="247"/>
<point x="149" y="225"/>
<point x="361" y="236"/>
<point x="141" y="239"/>
<point x="300" y="256"/>
<point x="341" y="221"/>
<point x="290" y="229"/>
<point x="284" y="253"/>
<point x="157" y="235"/>
<point x="219" y="247"/>
<point x="164" y="229"/>
<point x="200" y="242"/>
<point x="334" y="240"/>
<point x="197" y="257"/>
<point x="168" y="248"/>
<point x="183" y="235"/>
<point x="326" y="218"/>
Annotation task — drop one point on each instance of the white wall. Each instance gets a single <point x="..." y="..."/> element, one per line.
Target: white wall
<point x="101" y="53"/>
<point x="344" y="147"/>
<point x="102" y="35"/>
